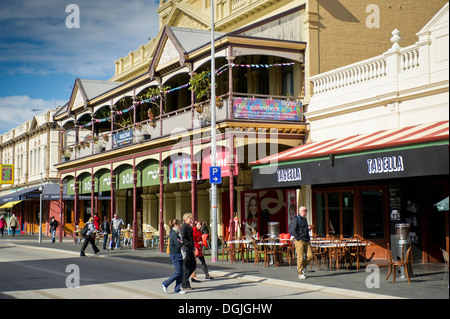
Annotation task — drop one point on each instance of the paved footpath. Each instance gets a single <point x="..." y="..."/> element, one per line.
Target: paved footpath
<point x="366" y="283"/>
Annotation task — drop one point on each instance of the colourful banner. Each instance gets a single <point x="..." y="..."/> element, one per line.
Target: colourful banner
<point x="7" y="173"/>
<point x="266" y="109"/>
<point x="180" y="169"/>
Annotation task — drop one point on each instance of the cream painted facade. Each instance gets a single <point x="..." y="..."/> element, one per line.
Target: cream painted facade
<point x="337" y="32"/>
<point x="33" y="149"/>
<point x="402" y="87"/>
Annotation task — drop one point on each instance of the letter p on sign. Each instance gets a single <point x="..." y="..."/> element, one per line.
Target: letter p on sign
<point x="215" y="175"/>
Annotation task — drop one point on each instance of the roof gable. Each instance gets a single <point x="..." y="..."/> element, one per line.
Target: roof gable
<point x="175" y="44"/>
<point x="439" y="20"/>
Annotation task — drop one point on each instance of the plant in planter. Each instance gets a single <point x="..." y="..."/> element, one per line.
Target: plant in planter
<point x="67" y="153"/>
<point x="153" y="96"/>
<point x="140" y="133"/>
<point x="105" y="137"/>
<point x="200" y="84"/>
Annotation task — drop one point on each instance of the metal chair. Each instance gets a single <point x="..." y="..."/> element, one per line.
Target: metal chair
<point x="393" y="264"/>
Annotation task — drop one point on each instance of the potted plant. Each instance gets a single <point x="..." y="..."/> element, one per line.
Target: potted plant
<point x="140" y="133"/>
<point x="200" y="84"/>
<point x="66" y="154"/>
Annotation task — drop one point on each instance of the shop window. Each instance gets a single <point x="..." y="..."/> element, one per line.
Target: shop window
<point x="334" y="214"/>
<point x="87" y="211"/>
<point x="68" y="211"/>
<point x="347" y="214"/>
<point x="372" y="214"/>
<point x="320" y="214"/>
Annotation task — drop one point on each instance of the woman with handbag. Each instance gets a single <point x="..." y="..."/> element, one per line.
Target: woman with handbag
<point x="198" y="242"/>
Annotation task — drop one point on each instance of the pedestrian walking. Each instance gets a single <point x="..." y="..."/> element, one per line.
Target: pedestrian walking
<point x="300" y="230"/>
<point x="189" y="263"/>
<point x="176" y="257"/>
<point x="198" y="243"/>
<point x="2" y="224"/>
<point x="53" y="226"/>
<point x="116" y="226"/>
<point x="106" y="230"/>
<point x="89" y="238"/>
<point x="13" y="223"/>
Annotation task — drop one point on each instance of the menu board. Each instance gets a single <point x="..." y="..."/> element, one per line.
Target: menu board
<point x="395" y="203"/>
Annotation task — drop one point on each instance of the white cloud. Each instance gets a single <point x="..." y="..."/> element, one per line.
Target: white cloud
<point x="16" y="110"/>
<point x="35" y="38"/>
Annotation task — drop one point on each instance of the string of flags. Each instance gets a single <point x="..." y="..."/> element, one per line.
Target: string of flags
<point x="219" y="71"/>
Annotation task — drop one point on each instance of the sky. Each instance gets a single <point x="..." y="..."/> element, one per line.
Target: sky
<point x="45" y="45"/>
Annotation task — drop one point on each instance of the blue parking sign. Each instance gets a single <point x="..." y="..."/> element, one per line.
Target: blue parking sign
<point x="215" y="175"/>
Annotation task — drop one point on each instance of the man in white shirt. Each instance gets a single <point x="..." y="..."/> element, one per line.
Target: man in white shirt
<point x="116" y="226"/>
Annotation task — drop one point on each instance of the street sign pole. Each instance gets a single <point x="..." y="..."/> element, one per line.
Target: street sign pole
<point x="213" y="143"/>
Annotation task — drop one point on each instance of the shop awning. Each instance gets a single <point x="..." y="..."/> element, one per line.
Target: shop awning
<point x="18" y="195"/>
<point x="419" y="150"/>
<point x="442" y="206"/>
<point x="10" y="204"/>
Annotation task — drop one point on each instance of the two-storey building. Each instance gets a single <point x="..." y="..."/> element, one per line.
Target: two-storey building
<point x="139" y="144"/>
<point x="33" y="149"/>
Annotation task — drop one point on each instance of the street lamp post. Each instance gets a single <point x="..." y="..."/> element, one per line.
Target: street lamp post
<point x="213" y="143"/>
<point x="41" y="189"/>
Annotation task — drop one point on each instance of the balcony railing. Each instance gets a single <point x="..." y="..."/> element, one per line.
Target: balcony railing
<point x="184" y="119"/>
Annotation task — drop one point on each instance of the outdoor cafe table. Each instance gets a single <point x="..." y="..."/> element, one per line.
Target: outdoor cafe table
<point x="327" y="244"/>
<point x="278" y="248"/>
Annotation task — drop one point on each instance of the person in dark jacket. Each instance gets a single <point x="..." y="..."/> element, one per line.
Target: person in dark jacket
<point x="189" y="262"/>
<point x="106" y="229"/>
<point x="89" y="238"/>
<point x="53" y="226"/>
<point x="300" y="231"/>
<point x="176" y="257"/>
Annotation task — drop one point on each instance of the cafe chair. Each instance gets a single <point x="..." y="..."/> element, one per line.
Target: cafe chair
<point x="148" y="238"/>
<point x="445" y="255"/>
<point x="258" y="251"/>
<point x="289" y="248"/>
<point x="128" y="238"/>
<point x="359" y="254"/>
<point x="319" y="256"/>
<point x="339" y="253"/>
<point x="393" y="263"/>
<point x="238" y="247"/>
<point x="79" y="237"/>
<point x="246" y="249"/>
<point x="227" y="250"/>
<point x="270" y="249"/>
<point x="99" y="238"/>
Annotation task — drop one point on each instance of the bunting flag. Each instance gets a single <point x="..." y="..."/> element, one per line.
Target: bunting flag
<point x="219" y="71"/>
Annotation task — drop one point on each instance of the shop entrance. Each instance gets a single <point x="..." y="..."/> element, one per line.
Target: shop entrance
<point x="434" y="222"/>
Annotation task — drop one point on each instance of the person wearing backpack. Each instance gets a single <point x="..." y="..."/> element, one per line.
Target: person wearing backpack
<point x="300" y="230"/>
<point x="89" y="237"/>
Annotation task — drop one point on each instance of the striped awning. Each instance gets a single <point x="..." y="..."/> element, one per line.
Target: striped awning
<point x="411" y="135"/>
